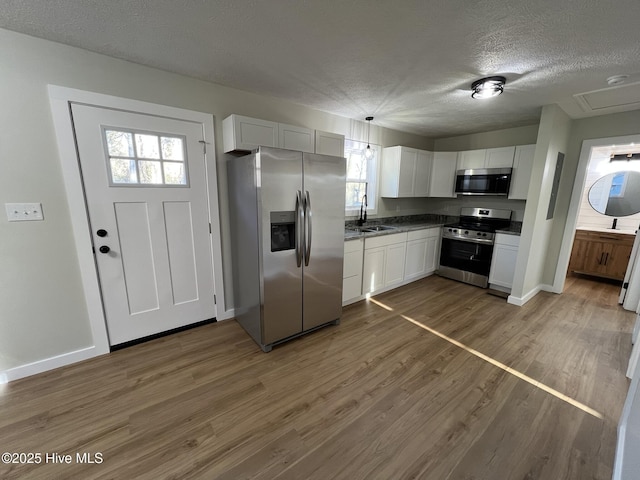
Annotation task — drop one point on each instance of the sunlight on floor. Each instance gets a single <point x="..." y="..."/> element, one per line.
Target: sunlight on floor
<point x="498" y="364"/>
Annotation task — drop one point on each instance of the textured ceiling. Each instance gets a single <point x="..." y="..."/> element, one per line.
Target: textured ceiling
<point x="409" y="63"/>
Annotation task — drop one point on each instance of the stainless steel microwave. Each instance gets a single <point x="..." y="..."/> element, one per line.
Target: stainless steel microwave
<point x="483" y="181"/>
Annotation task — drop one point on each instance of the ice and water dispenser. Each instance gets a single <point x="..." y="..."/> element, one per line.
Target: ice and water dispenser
<point x="283" y="228"/>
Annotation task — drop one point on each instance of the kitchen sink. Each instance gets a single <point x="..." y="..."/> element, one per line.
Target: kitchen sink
<point x="377" y="228"/>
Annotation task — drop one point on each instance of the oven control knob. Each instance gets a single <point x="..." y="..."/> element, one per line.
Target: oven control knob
<point x="484" y="234"/>
<point x="478" y="234"/>
<point x="466" y="232"/>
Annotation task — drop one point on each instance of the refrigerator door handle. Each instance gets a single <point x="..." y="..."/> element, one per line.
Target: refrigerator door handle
<point x="307" y="223"/>
<point x="299" y="227"/>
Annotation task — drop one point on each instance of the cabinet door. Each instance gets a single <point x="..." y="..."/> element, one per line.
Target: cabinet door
<point x="296" y="138"/>
<point x="443" y="174"/>
<point x="522" y="166"/>
<point x="616" y="260"/>
<point x="578" y="255"/>
<point x="433" y="253"/>
<point x="423" y="173"/>
<point x="245" y="133"/>
<point x="595" y="259"/>
<point x="470" y="159"/>
<point x="373" y="270"/>
<point x="503" y="265"/>
<point x="415" y="260"/>
<point x="394" y="264"/>
<point x="329" y="143"/>
<point x="407" y="175"/>
<point x="499" y="157"/>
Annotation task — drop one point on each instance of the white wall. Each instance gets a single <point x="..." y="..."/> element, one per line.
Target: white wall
<point x="506" y="137"/>
<point x="553" y="137"/>
<point x="42" y="308"/>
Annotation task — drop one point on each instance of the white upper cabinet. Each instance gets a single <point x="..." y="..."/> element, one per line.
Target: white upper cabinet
<point x="329" y="143"/>
<point x="499" y="157"/>
<point x="406" y="172"/>
<point x="522" y="165"/>
<point x="398" y="172"/>
<point x="296" y="138"/>
<point x="443" y="174"/>
<point x="245" y="133"/>
<point x="470" y="159"/>
<point x="424" y="161"/>
<point x="486" y="158"/>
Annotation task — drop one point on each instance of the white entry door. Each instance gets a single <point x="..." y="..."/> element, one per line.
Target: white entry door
<point x="146" y="191"/>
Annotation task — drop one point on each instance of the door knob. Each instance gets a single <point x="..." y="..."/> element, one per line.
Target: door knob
<point x="104" y="249"/>
<point x="101" y="233"/>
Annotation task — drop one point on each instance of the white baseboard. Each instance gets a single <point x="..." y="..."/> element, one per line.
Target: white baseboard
<point x="226" y="315"/>
<point x="48" y="364"/>
<point x="520" y="301"/>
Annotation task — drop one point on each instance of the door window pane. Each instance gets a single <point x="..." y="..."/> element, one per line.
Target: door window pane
<point x="172" y="148"/>
<point x="120" y="144"/>
<point x="123" y="170"/>
<point x="147" y="146"/>
<point x="150" y="172"/>
<point x="174" y="173"/>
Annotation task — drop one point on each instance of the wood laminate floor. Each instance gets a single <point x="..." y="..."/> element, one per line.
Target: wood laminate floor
<point x="434" y="380"/>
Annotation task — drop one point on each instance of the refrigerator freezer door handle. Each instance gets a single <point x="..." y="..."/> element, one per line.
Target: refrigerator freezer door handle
<point x="299" y="226"/>
<point x="307" y="223"/>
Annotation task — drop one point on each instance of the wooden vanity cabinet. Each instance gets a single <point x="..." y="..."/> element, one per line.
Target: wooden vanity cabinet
<point x="601" y="254"/>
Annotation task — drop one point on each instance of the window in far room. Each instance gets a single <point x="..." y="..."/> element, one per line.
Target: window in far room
<point x="362" y="176"/>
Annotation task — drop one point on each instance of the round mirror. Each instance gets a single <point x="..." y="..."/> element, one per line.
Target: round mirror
<point x="616" y="194"/>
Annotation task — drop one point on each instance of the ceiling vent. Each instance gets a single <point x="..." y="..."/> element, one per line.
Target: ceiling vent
<point x="610" y="100"/>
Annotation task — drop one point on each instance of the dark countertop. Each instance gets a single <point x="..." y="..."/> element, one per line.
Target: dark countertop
<point x="514" y="229"/>
<point x="400" y="224"/>
<point x="413" y="222"/>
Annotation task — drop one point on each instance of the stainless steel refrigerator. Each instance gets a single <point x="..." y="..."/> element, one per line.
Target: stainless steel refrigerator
<point x="287" y="236"/>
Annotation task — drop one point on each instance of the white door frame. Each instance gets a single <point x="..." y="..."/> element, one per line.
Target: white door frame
<point x="60" y="99"/>
<point x="574" y="206"/>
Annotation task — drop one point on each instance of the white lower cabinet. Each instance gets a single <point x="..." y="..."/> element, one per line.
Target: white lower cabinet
<point x="423" y="247"/>
<point x="383" y="261"/>
<point x="352" y="270"/>
<point x="503" y="261"/>
<point x="400" y="258"/>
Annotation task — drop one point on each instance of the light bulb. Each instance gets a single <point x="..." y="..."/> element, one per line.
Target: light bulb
<point x="368" y="153"/>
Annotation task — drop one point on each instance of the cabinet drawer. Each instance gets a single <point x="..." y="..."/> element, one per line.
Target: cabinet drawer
<point x="352" y="264"/>
<point x="423" y="233"/>
<point x="353" y="245"/>
<point x="504" y="239"/>
<point x="384" y="240"/>
<point x="594" y="236"/>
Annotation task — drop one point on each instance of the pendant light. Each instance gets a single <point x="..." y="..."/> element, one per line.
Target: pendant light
<point x="368" y="153"/>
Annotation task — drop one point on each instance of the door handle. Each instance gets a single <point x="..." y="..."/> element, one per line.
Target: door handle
<point x="601" y="257"/>
<point x="104" y="249"/>
<point x="606" y="258"/>
<point x="101" y="233"/>
<point x="307" y="223"/>
<point x="299" y="227"/>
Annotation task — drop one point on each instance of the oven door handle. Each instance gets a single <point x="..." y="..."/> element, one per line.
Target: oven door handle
<point x="469" y="240"/>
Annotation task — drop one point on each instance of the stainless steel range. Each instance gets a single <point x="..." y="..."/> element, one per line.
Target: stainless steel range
<point x="467" y="246"/>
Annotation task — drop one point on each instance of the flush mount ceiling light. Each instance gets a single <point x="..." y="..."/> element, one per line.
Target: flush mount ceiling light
<point x="488" y="87"/>
<point x="368" y="153"/>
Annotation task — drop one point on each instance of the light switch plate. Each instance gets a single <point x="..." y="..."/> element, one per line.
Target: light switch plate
<point x="24" y="212"/>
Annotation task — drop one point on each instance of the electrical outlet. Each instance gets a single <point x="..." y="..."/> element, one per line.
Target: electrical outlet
<point x="23" y="212"/>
